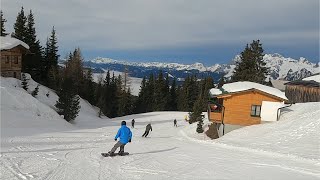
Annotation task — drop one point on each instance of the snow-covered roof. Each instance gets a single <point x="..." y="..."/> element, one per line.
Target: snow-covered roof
<point x="314" y="78"/>
<point x="246" y="85"/>
<point x="215" y="91"/>
<point x="8" y="42"/>
<point x="279" y="84"/>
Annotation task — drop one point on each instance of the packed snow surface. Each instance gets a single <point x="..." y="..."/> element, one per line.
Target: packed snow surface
<point x="246" y="85"/>
<point x="36" y="143"/>
<point x="8" y="42"/>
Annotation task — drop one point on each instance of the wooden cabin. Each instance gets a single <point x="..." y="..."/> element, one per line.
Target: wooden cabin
<point x="12" y="50"/>
<point x="305" y="90"/>
<point x="239" y="104"/>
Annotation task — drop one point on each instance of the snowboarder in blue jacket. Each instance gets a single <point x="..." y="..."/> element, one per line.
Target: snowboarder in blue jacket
<point x="125" y="135"/>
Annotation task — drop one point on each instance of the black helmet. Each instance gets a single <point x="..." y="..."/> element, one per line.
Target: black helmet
<point x="123" y="123"/>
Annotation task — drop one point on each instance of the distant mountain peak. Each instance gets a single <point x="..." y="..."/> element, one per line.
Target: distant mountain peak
<point x="280" y="67"/>
<point x="275" y="55"/>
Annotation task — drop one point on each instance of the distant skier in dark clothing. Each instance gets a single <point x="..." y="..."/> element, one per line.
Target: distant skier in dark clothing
<point x="175" y="123"/>
<point x="148" y="128"/>
<point x="125" y="136"/>
<point x="132" y="123"/>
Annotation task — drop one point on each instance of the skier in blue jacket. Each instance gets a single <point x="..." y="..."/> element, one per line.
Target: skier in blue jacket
<point x="125" y="136"/>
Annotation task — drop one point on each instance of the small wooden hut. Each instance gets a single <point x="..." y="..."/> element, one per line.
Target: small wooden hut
<point x="305" y="90"/>
<point x="239" y="104"/>
<point x="12" y="50"/>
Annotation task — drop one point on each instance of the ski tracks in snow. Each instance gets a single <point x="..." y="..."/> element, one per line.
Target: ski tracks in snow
<point x="169" y="153"/>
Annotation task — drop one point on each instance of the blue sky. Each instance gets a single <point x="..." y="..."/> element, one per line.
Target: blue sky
<point x="184" y="31"/>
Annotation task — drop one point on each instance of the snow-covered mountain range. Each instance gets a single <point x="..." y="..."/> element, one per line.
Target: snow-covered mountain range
<point x="280" y="67"/>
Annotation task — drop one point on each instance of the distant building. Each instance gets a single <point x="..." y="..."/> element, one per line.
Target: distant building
<point x="12" y="50"/>
<point x="239" y="104"/>
<point x="305" y="90"/>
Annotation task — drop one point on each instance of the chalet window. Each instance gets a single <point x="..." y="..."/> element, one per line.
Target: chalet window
<point x="15" y="59"/>
<point x="255" y="110"/>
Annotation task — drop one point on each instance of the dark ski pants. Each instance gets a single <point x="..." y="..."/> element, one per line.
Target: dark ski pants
<point x="145" y="134"/>
<point x="115" y="147"/>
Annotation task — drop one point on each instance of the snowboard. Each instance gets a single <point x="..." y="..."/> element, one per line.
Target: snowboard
<point x="115" y="154"/>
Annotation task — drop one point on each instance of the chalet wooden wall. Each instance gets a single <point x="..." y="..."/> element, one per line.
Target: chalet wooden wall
<point x="300" y="93"/>
<point x="238" y="107"/>
<point x="11" y="62"/>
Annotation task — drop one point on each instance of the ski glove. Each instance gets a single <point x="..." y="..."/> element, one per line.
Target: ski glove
<point x="129" y="140"/>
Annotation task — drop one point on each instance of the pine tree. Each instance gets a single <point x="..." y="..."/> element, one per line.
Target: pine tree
<point x="260" y="65"/>
<point x="35" y="91"/>
<point x="182" y="104"/>
<point x="166" y="90"/>
<point x="75" y="70"/>
<point x="221" y="82"/>
<point x="32" y="63"/>
<point x="251" y="67"/>
<point x="140" y="104"/>
<point x="191" y="91"/>
<point x="208" y="84"/>
<point x="50" y="62"/>
<point x="129" y="103"/>
<point x="53" y="50"/>
<point x="150" y="93"/>
<point x="114" y="93"/>
<point x="199" y="126"/>
<point x="30" y="36"/>
<point x="89" y="87"/>
<point x="3" y="29"/>
<point x="121" y="94"/>
<point x="173" y="96"/>
<point x="53" y="78"/>
<point x="24" y="82"/>
<point x="195" y="115"/>
<point x="68" y="104"/>
<point x="161" y="93"/>
<point x="99" y="96"/>
<point x="45" y="64"/>
<point x="20" y="29"/>
<point x="107" y="95"/>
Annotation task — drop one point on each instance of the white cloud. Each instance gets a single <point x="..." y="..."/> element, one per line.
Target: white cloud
<point x="151" y="24"/>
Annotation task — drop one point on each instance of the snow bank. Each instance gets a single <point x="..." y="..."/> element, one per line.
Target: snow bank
<point x="246" y="85"/>
<point x="19" y="110"/>
<point x="88" y="115"/>
<point x="8" y="42"/>
<point x="22" y="114"/>
<point x="296" y="133"/>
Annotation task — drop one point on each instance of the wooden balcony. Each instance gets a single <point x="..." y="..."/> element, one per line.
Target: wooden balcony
<point x="215" y="117"/>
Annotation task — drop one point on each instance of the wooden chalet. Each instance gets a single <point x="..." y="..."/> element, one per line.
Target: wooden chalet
<point x="12" y="50"/>
<point x="305" y="90"/>
<point x="239" y="104"/>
